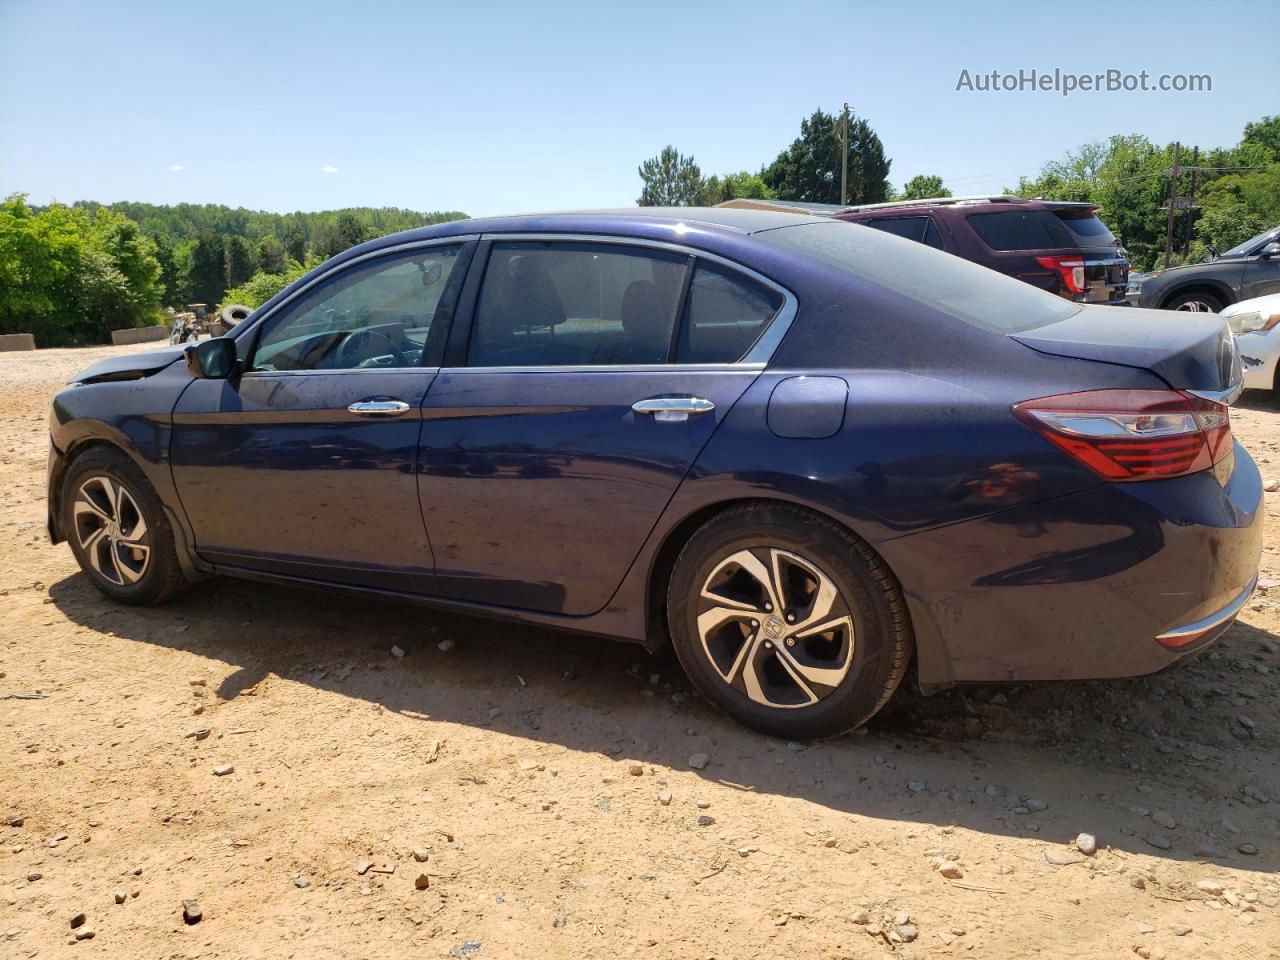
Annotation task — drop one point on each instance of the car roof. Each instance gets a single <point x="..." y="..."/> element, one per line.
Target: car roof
<point x="965" y="205"/>
<point x="630" y="220"/>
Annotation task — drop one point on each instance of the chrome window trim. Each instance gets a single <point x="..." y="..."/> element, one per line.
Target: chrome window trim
<point x="756" y="358"/>
<point x="342" y="371"/>
<point x="250" y="327"/>
<point x="760" y="352"/>
<point x="740" y="367"/>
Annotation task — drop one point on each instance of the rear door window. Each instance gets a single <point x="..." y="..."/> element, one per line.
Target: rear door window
<point x="1021" y="230"/>
<point x="726" y="315"/>
<point x="576" y="304"/>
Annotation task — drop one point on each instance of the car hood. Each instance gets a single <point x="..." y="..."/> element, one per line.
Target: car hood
<point x="1189" y="351"/>
<point x="133" y="366"/>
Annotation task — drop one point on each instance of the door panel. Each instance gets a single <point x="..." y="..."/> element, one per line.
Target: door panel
<point x="540" y="486"/>
<point x="1260" y="278"/>
<point x="276" y="474"/>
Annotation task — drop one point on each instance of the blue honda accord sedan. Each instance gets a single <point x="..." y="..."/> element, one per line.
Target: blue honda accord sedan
<point x="804" y="452"/>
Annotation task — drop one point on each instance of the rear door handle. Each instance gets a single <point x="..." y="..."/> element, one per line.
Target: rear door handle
<point x="673" y="409"/>
<point x="378" y="408"/>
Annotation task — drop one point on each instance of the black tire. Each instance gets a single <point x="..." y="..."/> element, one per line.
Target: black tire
<point x="113" y="561"/>
<point x="805" y="548"/>
<point x="1196" y="301"/>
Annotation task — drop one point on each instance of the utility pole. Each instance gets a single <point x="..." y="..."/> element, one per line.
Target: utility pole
<point x="1173" y="202"/>
<point x="844" y="155"/>
<point x="1191" y="201"/>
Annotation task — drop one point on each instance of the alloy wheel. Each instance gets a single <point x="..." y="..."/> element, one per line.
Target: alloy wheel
<point x="111" y="530"/>
<point x="775" y="627"/>
<point x="1194" y="306"/>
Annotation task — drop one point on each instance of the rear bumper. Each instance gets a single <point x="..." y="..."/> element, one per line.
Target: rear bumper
<point x="1083" y="586"/>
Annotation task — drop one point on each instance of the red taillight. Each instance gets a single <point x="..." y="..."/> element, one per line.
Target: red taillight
<point x="1133" y="434"/>
<point x="1071" y="269"/>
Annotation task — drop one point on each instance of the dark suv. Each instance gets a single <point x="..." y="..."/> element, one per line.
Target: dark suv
<point x="1057" y="246"/>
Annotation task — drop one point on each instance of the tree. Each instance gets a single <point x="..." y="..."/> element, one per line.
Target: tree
<point x="271" y="255"/>
<point x="351" y="231"/>
<point x="922" y="187"/>
<point x="1266" y="134"/>
<point x="294" y="239"/>
<point x="70" y="276"/>
<point x="207" y="276"/>
<point x="809" y="169"/>
<point x="239" y="261"/>
<point x="742" y="184"/>
<point x="670" y="180"/>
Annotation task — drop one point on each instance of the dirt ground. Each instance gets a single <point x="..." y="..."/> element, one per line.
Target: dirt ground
<point x="546" y="781"/>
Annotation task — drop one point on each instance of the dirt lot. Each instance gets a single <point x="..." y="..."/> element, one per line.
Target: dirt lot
<point x="545" y="779"/>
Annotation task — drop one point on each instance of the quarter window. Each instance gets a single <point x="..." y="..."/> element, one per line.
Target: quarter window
<point x="726" y="315"/>
<point x="576" y="304"/>
<point x="376" y="314"/>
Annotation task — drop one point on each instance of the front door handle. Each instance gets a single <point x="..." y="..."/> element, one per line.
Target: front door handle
<point x="673" y="409"/>
<point x="378" y="408"/>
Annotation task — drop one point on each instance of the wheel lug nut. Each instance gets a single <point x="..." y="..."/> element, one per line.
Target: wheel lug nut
<point x="791" y="618"/>
<point x="791" y="641"/>
<point x="769" y="607"/>
<point x="755" y="623"/>
<point x="768" y="645"/>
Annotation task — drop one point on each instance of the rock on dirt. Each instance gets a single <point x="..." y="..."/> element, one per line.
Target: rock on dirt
<point x="698" y="761"/>
<point x="191" y="912"/>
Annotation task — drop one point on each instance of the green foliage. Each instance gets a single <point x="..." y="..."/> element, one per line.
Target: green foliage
<point x="207" y="269"/>
<point x="922" y="187"/>
<point x="1127" y="177"/>
<point x="742" y="184"/>
<point x="1265" y="134"/>
<point x="809" y="169"/>
<point x="239" y="261"/>
<point x="187" y="238"/>
<point x="262" y="286"/>
<point x="670" y="180"/>
<point x="70" y="276"/>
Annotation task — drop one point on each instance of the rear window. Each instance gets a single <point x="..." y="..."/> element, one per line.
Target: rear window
<point x="1088" y="230"/>
<point x="964" y="290"/>
<point x="1021" y="230"/>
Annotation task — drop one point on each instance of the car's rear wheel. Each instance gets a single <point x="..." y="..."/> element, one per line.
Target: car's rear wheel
<point x="1196" y="301"/>
<point x="118" y="530"/>
<point x="787" y="622"/>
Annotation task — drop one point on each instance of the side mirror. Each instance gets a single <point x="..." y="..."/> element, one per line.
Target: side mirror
<point x="212" y="359"/>
<point x="1272" y="249"/>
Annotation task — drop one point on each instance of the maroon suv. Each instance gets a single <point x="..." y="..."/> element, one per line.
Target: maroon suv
<point x="1058" y="246"/>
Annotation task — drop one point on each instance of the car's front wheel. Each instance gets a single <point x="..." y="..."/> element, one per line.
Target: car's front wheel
<point x="787" y="622"/>
<point x="118" y="530"/>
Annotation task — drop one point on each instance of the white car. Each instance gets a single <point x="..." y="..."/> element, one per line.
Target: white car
<point x="1256" y="325"/>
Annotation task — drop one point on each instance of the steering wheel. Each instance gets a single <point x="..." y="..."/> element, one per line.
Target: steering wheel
<point x="349" y="356"/>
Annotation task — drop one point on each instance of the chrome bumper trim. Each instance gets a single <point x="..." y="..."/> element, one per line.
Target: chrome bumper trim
<point x="1214" y="619"/>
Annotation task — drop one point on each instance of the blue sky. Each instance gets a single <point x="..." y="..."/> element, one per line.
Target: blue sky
<point x="509" y="107"/>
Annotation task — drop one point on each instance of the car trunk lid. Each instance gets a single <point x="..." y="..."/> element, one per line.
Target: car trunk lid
<point x="1189" y="351"/>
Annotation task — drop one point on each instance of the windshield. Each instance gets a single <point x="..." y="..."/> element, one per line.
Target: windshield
<point x="1241" y="249"/>
<point x="964" y="290"/>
